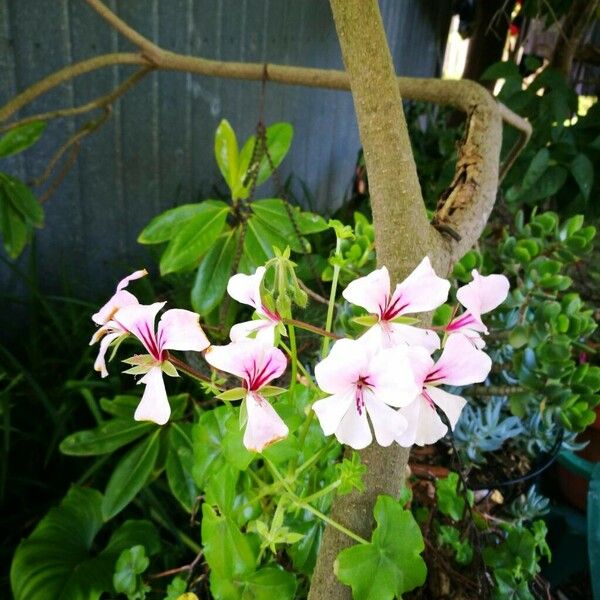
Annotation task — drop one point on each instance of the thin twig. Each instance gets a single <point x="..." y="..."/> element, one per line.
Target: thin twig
<point x="176" y="570"/>
<point x="100" y="102"/>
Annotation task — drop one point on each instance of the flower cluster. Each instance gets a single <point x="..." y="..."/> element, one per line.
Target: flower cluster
<point x="385" y="384"/>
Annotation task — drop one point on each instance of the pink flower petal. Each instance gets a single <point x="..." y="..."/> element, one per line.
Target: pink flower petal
<point x="424" y="425"/>
<point x="371" y="292"/>
<point x="154" y="405"/>
<point x="460" y="363"/>
<point x="421" y="291"/>
<point x="343" y="366"/>
<point x="484" y="293"/>
<point x="119" y="299"/>
<point x="251" y="360"/>
<point x="100" y="363"/>
<point x="180" y="329"/>
<point x="387" y="422"/>
<point x="246" y="288"/>
<point x="421" y="363"/>
<point x="331" y="410"/>
<point x="264" y="425"/>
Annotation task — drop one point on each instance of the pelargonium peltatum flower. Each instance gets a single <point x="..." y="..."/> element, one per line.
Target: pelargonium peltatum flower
<point x="177" y="329"/>
<point x="364" y="380"/>
<point x="421" y="291"/>
<point x="480" y="296"/>
<point x="110" y="330"/>
<point x="256" y="363"/>
<point x="246" y="289"/>
<point x="460" y="364"/>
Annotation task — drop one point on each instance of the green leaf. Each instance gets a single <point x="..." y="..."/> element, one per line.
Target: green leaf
<point x="272" y="390"/>
<point x="166" y="225"/>
<point x="56" y="561"/>
<point x="227" y="550"/>
<point x="15" y="232"/>
<point x="130" y="476"/>
<point x="130" y="565"/>
<point x="207" y="435"/>
<point x="22" y="199"/>
<point x="351" y="474"/>
<point x="195" y="238"/>
<point x="20" y="138"/>
<point x="450" y="500"/>
<point x="180" y="461"/>
<point x="227" y="155"/>
<point x="279" y="139"/>
<point x="582" y="169"/>
<point x="391" y="564"/>
<point x="105" y="438"/>
<point x="214" y="273"/>
<point x="256" y="251"/>
<point x="233" y="394"/>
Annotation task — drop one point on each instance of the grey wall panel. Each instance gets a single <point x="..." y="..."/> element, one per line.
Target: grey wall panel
<point x="156" y="151"/>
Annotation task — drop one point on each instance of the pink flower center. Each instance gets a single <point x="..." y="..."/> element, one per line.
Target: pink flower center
<point x="259" y="375"/>
<point x="361" y="384"/>
<point x="428" y="398"/>
<point x="392" y="308"/>
<point x="436" y="374"/>
<point x="272" y="316"/>
<point x="464" y="320"/>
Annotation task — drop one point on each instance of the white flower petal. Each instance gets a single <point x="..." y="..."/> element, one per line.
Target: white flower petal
<point x="414" y="336"/>
<point x="484" y="293"/>
<point x="451" y="404"/>
<point x="332" y="409"/>
<point x="180" y="329"/>
<point x="264" y="425"/>
<point x="100" y="363"/>
<point x="392" y="378"/>
<point x="387" y="423"/>
<point x="371" y="292"/>
<point x="139" y="320"/>
<point x="246" y="288"/>
<point x="424" y="424"/>
<point x="154" y="405"/>
<point x="354" y="430"/>
<point x="346" y="362"/>
<point x="421" y="291"/>
<point x="119" y="299"/>
<point x="264" y="330"/>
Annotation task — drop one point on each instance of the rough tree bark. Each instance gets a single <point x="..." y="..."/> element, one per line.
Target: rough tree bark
<point x="402" y="232"/>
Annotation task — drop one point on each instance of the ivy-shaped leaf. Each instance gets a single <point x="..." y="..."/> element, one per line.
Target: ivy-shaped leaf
<point x="391" y="564"/>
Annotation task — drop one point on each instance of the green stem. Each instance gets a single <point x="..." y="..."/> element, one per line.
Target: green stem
<point x="302" y="504"/>
<point x="331" y="522"/>
<point x="332" y="296"/>
<point x="310" y="327"/>
<point x="323" y="492"/>
<point x="301" y="367"/>
<point x="294" y="360"/>
<point x="314" y="458"/>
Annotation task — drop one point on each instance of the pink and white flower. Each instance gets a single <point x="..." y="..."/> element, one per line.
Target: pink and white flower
<point x="246" y="289"/>
<point x="460" y="364"/>
<point x="364" y="380"/>
<point x="177" y="330"/>
<point x="421" y="291"/>
<point x="256" y="363"/>
<point x="109" y="330"/>
<point x="480" y="296"/>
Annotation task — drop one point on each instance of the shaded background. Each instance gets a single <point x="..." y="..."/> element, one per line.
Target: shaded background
<point x="157" y="149"/>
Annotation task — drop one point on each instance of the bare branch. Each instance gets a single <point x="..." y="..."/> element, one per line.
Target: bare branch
<point x="97" y="103"/>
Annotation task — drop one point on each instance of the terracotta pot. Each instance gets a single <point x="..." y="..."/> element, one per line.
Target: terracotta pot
<point x="575" y="487"/>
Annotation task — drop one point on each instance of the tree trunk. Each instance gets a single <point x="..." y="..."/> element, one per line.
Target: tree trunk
<point x="579" y="19"/>
<point x="492" y="18"/>
<point x="403" y="234"/>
